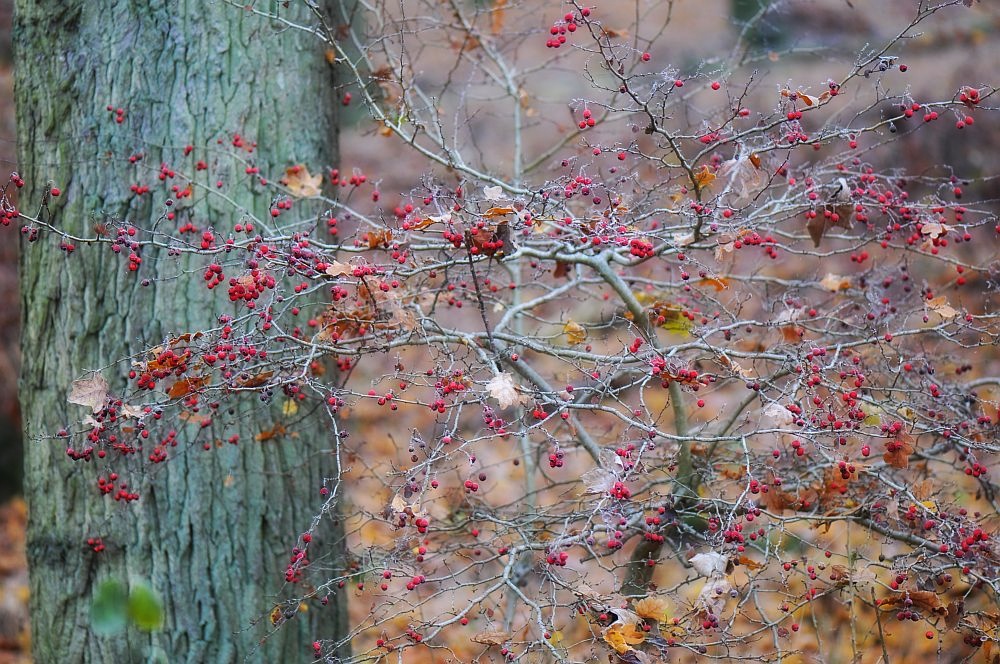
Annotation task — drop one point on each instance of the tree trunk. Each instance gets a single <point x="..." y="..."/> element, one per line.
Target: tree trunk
<point x="212" y="530"/>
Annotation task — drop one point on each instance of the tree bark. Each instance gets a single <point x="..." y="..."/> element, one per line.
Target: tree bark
<point x="212" y="530"/>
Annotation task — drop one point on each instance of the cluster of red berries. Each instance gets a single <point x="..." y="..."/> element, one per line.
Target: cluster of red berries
<point x="559" y="29"/>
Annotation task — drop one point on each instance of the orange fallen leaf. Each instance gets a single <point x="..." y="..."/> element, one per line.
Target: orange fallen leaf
<point x="718" y="283"/>
<point x="704" y="177"/>
<point x="276" y="431"/>
<point x="256" y="380"/>
<point x="498" y="212"/>
<point x="376" y="238"/>
<point x="186" y="386"/>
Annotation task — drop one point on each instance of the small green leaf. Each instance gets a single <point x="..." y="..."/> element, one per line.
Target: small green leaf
<point x="145" y="608"/>
<point x="108" y="612"/>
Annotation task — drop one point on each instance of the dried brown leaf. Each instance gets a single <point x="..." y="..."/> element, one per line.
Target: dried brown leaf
<point x="492" y="637"/>
<point x="300" y="183"/>
<point x="91" y="392"/>
<point x="898" y="451"/>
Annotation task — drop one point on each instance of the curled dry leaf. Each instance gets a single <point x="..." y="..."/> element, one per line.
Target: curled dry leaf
<point x="598" y="480"/>
<point x="745" y="179"/>
<point x="398" y="507"/>
<point x="808" y="100"/>
<point x="683" y="239"/>
<point x="623" y="633"/>
<point x="492" y="638"/>
<point x="734" y="366"/>
<point x="575" y="333"/>
<point x="934" y="229"/>
<point x="835" y="282"/>
<point x="710" y="564"/>
<point x="924" y="600"/>
<point x="718" y="283"/>
<point x="256" y="380"/>
<point x="712" y="598"/>
<point x="300" y="183"/>
<point x="940" y="306"/>
<point x="336" y="269"/>
<point x="186" y="386"/>
<point x="498" y="212"/>
<point x="91" y="392"/>
<point x="503" y="389"/>
<point x="777" y="415"/>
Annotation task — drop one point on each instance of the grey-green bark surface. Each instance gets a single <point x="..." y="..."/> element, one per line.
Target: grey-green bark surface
<point x="185" y="72"/>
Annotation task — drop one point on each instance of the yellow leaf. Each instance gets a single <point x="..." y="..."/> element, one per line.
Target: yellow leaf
<point x="652" y="608"/>
<point x="670" y="318"/>
<point x="622" y="637"/>
<point x="704" y="177"/>
<point x="289" y="408"/>
<point x="872" y="414"/>
<point x="575" y="333"/>
<point x="301" y="183"/>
